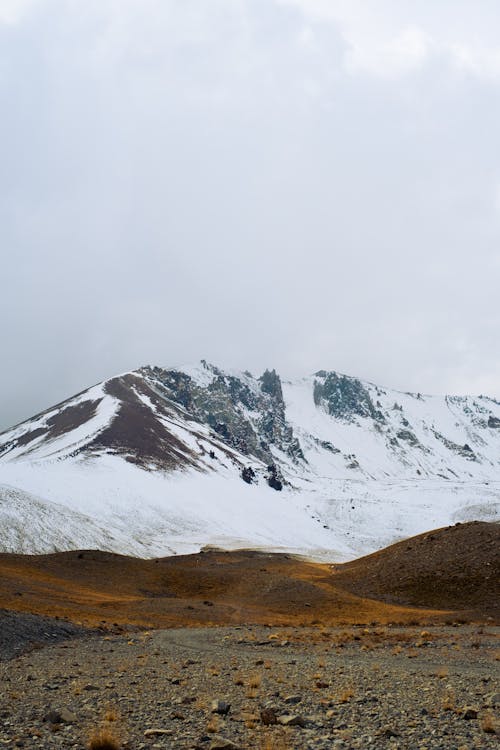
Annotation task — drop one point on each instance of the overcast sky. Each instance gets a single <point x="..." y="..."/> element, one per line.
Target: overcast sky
<point x="298" y="184"/>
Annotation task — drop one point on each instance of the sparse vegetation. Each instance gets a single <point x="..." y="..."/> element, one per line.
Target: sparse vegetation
<point x="273" y="742"/>
<point x="442" y="672"/>
<point x="104" y="739"/>
<point x="255" y="680"/>
<point x="488" y="723"/>
<point x="213" y="724"/>
<point x="449" y="701"/>
<point x="345" y="695"/>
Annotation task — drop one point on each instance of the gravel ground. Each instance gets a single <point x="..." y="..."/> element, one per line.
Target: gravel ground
<point x="21" y="632"/>
<point x="258" y="687"/>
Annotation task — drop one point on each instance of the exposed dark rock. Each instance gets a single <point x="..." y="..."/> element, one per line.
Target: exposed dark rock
<point x="248" y="415"/>
<point x="345" y="397"/>
<point x="274" y="478"/>
<point x="328" y="446"/>
<point x="462" y="450"/>
<point x="270" y="383"/>
<point x="409" y="437"/>
<point x="220" y="707"/>
<point x="248" y="475"/>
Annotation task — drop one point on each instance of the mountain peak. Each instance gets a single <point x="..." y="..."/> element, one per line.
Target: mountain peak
<point x="200" y="447"/>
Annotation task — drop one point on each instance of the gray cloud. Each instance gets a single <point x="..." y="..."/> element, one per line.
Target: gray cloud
<point x="293" y="183"/>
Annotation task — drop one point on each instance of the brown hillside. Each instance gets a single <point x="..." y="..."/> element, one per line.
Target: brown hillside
<point x="449" y="573"/>
<point x="214" y="587"/>
<point x="456" y="568"/>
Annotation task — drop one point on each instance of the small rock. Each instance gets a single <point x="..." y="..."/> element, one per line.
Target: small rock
<point x="469" y="713"/>
<point x="268" y="716"/>
<point x="177" y="715"/>
<point x="292" y="699"/>
<point x="221" y="743"/>
<point x="220" y="707"/>
<point x="62" y="716"/>
<point x="246" y="716"/>
<point x="389" y="732"/>
<point x="157" y="732"/>
<point x="291" y="720"/>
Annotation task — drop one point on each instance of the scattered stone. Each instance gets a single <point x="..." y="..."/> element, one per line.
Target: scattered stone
<point x="469" y="713"/>
<point x="220" y="707"/>
<point x="389" y="732"/>
<point x="61" y="716"/>
<point x="382" y="714"/>
<point x="246" y="716"/>
<point x="268" y="716"/>
<point x="221" y="743"/>
<point x="291" y="720"/>
<point x="292" y="700"/>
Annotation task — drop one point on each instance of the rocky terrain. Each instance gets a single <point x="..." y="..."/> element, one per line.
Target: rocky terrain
<point x="258" y="687"/>
<point x="248" y="649"/>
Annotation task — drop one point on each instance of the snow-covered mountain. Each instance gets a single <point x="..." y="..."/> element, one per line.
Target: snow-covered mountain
<point x="159" y="461"/>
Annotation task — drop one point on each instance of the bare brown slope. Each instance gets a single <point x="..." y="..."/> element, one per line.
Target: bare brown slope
<point x="456" y="568"/>
<point x="242" y="587"/>
<point x="209" y="588"/>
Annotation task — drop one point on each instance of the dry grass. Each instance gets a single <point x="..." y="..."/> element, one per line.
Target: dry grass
<point x="449" y="702"/>
<point x="75" y="588"/>
<point x="345" y="695"/>
<point x="104" y="739"/>
<point x="488" y="723"/>
<point x="255" y="680"/>
<point x="214" y="724"/>
<point x="442" y="672"/>
<point x="111" y="715"/>
<point x="273" y="742"/>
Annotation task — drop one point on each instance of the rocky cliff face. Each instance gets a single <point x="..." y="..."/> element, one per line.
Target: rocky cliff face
<point x="246" y="413"/>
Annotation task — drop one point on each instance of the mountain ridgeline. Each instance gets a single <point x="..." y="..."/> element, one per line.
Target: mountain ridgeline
<point x="245" y="413"/>
<point x="194" y="454"/>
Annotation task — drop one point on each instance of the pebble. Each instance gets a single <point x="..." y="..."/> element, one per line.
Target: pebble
<point x="221" y="743"/>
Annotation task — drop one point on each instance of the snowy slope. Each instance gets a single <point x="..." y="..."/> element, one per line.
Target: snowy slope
<point x="152" y="462"/>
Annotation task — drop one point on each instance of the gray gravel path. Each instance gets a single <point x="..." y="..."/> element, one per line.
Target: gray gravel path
<point x="257" y="687"/>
